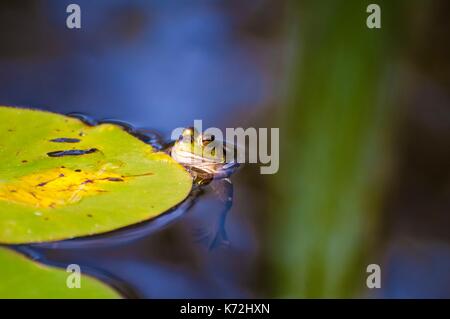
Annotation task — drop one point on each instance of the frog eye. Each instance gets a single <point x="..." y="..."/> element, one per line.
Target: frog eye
<point x="187" y="135"/>
<point x="186" y="138"/>
<point x="206" y="139"/>
<point x="188" y="131"/>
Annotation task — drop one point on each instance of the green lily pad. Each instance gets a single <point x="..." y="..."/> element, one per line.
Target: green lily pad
<point x="61" y="178"/>
<point x="23" y="278"/>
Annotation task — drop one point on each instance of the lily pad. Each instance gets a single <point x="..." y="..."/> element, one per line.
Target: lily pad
<point x="61" y="178"/>
<point x="23" y="278"/>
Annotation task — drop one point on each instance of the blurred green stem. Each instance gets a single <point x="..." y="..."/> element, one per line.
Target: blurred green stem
<point x="333" y="156"/>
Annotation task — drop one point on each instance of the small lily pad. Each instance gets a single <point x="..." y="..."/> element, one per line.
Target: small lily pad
<point x="61" y="178"/>
<point x="23" y="278"/>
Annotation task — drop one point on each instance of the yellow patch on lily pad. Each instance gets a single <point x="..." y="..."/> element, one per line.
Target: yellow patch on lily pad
<point x="60" y="178"/>
<point x="57" y="187"/>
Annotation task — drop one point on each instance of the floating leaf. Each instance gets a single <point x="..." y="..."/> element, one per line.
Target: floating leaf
<point x="23" y="278"/>
<point x="61" y="178"/>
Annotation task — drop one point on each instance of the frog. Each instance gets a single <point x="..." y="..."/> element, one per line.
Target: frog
<point x="208" y="169"/>
<point x="208" y="165"/>
<point x="203" y="160"/>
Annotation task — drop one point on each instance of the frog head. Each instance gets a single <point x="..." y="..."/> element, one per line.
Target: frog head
<point x="194" y="148"/>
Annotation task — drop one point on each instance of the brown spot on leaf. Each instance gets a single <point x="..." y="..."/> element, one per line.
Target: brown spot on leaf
<point x="73" y="152"/>
<point x="114" y="179"/>
<point x="65" y="140"/>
